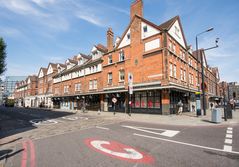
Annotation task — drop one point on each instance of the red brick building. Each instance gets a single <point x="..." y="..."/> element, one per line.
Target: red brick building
<point x="161" y="64"/>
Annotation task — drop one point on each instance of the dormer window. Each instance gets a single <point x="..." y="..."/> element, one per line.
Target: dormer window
<point x="121" y="56"/>
<point x="145" y="29"/>
<point x="80" y="62"/>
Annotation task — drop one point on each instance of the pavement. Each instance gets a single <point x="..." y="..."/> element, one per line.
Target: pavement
<point x="187" y="118"/>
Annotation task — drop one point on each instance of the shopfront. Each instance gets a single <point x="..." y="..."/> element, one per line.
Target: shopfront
<point x="147" y="102"/>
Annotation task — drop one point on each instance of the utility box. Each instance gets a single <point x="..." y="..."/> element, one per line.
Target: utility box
<point x="216" y="115"/>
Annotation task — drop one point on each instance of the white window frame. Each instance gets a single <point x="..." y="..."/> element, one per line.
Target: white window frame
<point x="91" y="84"/>
<point x="110" y="60"/>
<point x="77" y="87"/>
<point x="120" y="75"/>
<point x="95" y="84"/>
<point x="110" y="80"/>
<point x="66" y="88"/>
<point x="121" y="55"/>
<point x="171" y="69"/>
<point x="175" y="71"/>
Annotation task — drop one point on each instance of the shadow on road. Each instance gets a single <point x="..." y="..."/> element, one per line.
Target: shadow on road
<point x="15" y="120"/>
<point x="4" y="154"/>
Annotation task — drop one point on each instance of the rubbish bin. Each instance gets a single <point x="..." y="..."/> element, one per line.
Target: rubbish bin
<point x="216" y="115"/>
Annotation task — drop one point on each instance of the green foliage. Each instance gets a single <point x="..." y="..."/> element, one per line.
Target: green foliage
<point x="3" y="55"/>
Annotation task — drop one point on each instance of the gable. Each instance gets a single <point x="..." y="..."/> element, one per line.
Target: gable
<point x="29" y="80"/>
<point x="93" y="49"/>
<point x="176" y="32"/>
<point x="147" y="30"/>
<point x="50" y="70"/>
<point x="125" y="40"/>
<point x="41" y="74"/>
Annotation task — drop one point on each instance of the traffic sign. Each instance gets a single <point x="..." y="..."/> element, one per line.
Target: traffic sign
<point x="114" y="100"/>
<point x="130" y="79"/>
<point x="119" y="151"/>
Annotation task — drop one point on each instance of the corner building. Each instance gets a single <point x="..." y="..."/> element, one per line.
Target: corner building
<point x="163" y="68"/>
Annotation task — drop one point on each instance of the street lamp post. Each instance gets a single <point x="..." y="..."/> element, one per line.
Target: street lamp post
<point x="202" y="68"/>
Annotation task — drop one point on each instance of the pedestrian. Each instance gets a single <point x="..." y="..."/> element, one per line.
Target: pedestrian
<point x="180" y="107"/>
<point x="193" y="108"/>
<point x="211" y="105"/>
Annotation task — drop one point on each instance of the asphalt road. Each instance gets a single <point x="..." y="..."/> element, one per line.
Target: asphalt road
<point x="122" y="144"/>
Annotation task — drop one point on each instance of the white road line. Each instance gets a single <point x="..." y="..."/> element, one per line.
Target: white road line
<point x="99" y="127"/>
<point x="228" y="148"/>
<point x="229" y="136"/>
<point x="188" y="144"/>
<point x="228" y="141"/>
<point x="229" y="128"/>
<point x="229" y="132"/>
<point x="167" y="133"/>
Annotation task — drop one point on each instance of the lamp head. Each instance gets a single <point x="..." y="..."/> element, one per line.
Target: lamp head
<point x="210" y="29"/>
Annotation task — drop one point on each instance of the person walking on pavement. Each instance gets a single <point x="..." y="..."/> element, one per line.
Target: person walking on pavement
<point x="180" y="107"/>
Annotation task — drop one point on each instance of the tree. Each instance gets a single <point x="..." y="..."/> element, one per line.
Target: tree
<point x="2" y="56"/>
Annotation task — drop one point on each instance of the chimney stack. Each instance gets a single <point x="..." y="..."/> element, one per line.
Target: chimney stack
<point x="136" y="8"/>
<point x="110" y="39"/>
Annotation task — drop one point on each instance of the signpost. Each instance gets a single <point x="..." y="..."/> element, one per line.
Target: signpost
<point x="114" y="100"/>
<point x="130" y="81"/>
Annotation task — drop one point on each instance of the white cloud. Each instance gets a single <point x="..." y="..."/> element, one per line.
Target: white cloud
<point x="21" y="7"/>
<point x="91" y="19"/>
<point x="43" y="3"/>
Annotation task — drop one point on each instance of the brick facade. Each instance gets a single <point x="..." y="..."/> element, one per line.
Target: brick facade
<point x="163" y="66"/>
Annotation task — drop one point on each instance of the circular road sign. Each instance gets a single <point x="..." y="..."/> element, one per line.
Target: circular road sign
<point x="114" y="100"/>
<point x="119" y="151"/>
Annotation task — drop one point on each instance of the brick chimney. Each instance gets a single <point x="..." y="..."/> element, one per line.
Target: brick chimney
<point x="110" y="39"/>
<point x="136" y="8"/>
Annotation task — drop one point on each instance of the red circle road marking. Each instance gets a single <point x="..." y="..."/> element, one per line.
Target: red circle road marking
<point x="119" y="151"/>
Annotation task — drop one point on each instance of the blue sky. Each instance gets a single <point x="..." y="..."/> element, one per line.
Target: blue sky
<point x="41" y="31"/>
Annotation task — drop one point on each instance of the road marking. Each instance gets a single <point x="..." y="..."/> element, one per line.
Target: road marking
<point x="229" y="136"/>
<point x="85" y="118"/>
<point x="130" y="152"/>
<point x="228" y="141"/>
<point x="188" y="144"/>
<point x="118" y="150"/>
<point x="229" y="132"/>
<point x="228" y="148"/>
<point x="99" y="127"/>
<point x="70" y="118"/>
<point x="167" y="133"/>
<point x="43" y="122"/>
<point x="24" y="154"/>
<point x="32" y="153"/>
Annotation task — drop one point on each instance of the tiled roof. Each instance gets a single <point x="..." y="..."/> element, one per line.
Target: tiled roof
<point x="101" y="48"/>
<point x="167" y="25"/>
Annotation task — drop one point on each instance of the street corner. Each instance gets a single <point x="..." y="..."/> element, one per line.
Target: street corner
<point x="119" y="151"/>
